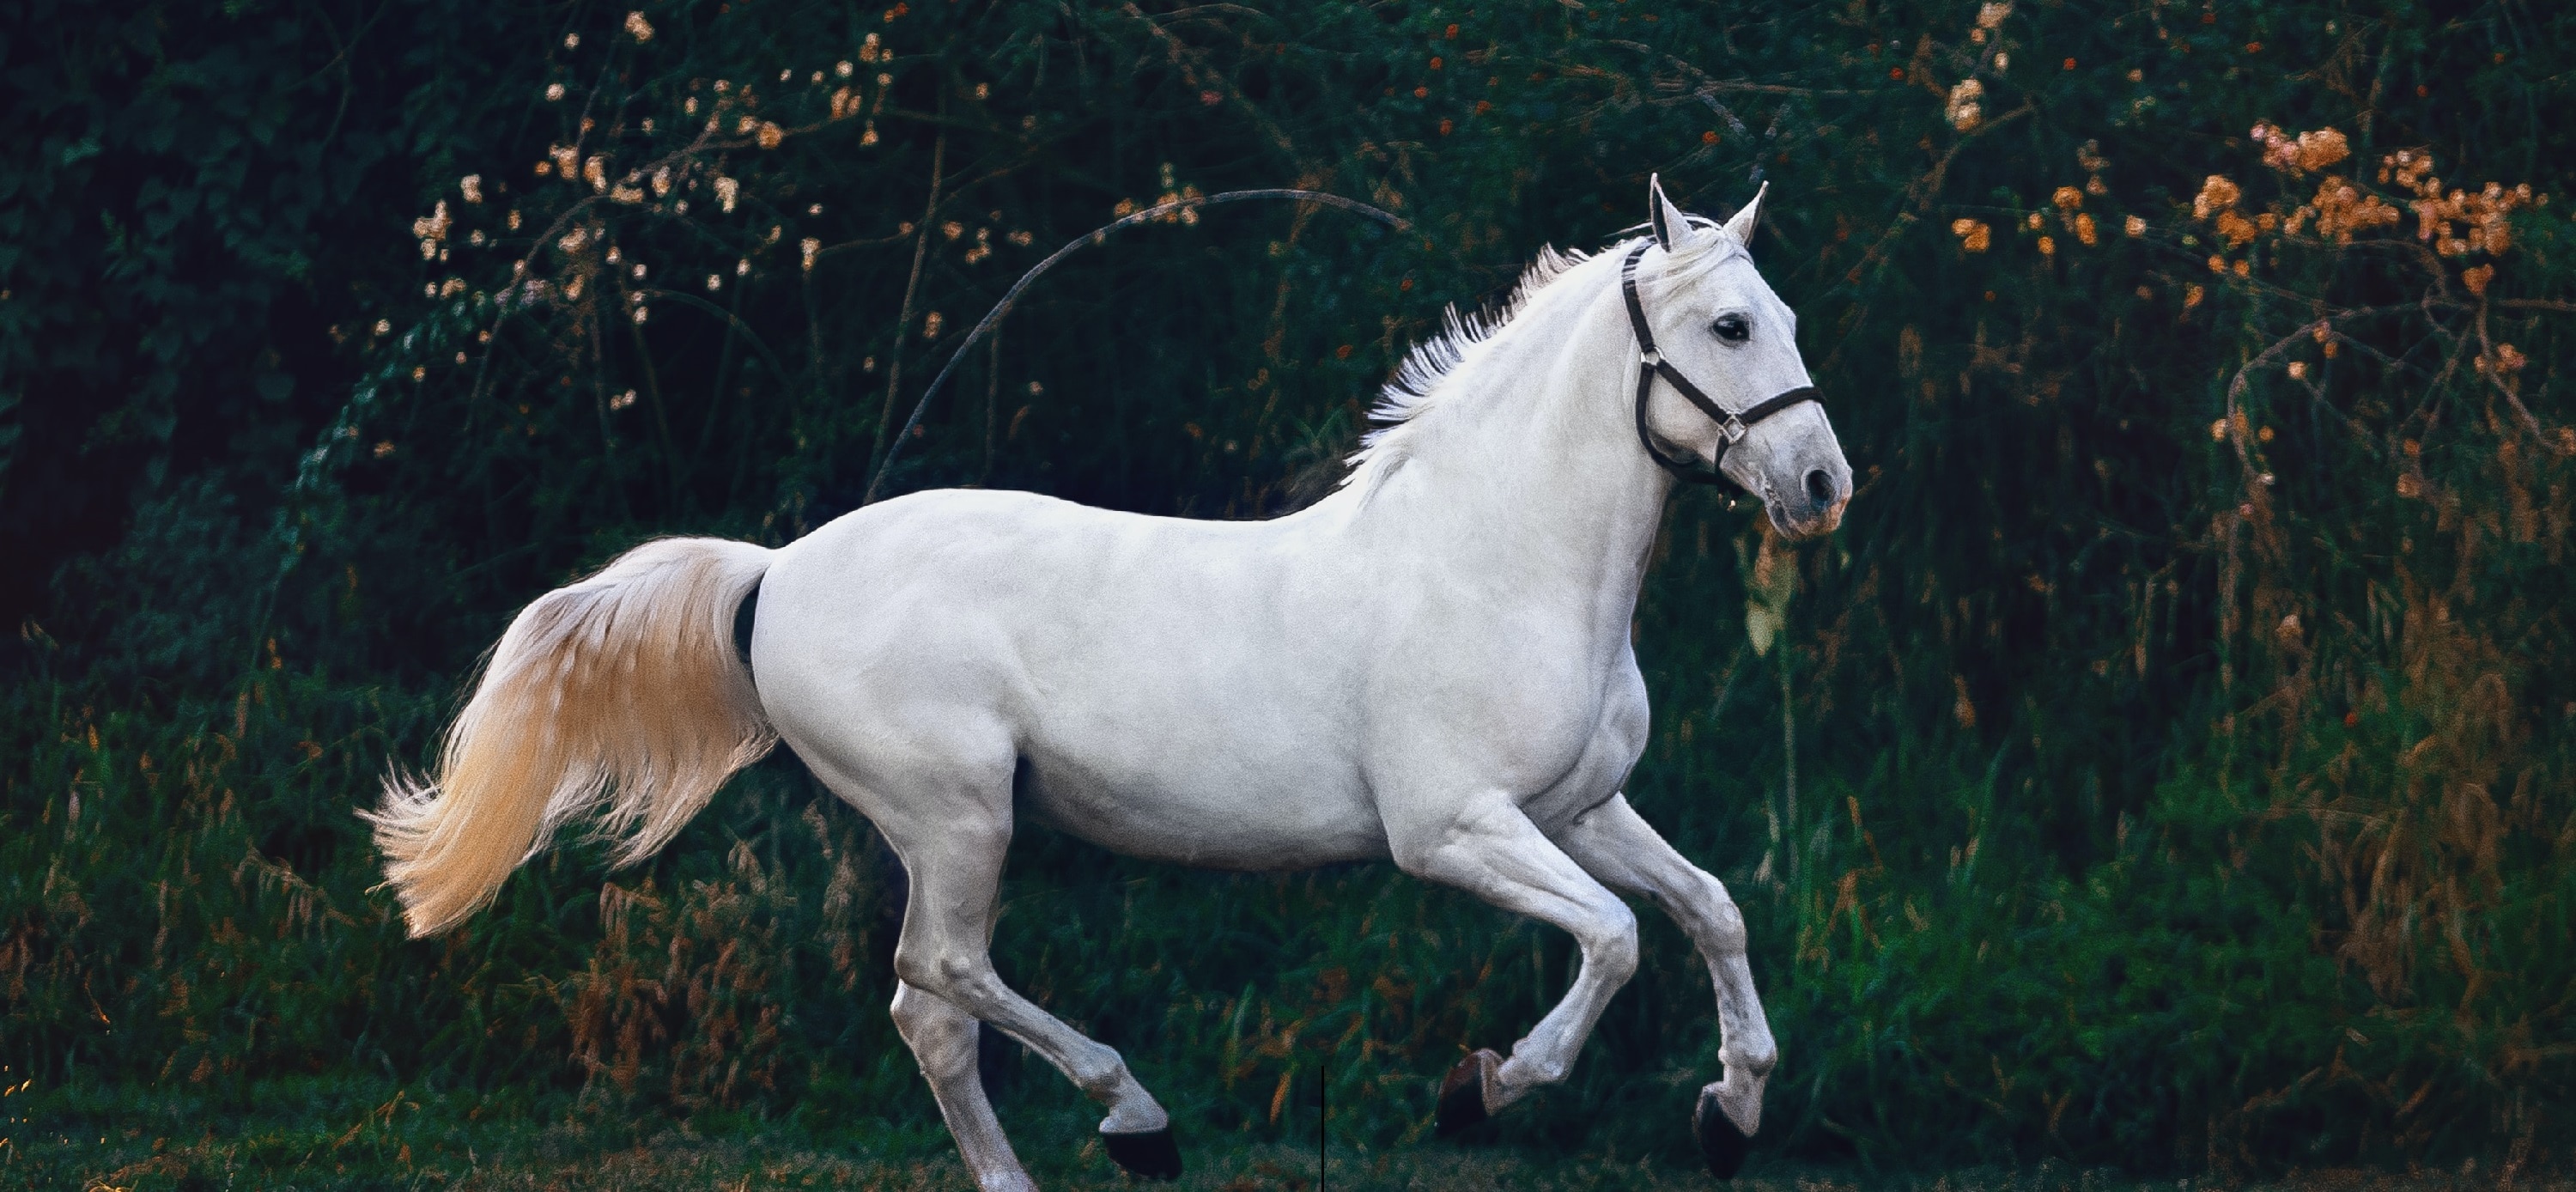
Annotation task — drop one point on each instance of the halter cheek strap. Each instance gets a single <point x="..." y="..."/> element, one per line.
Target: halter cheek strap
<point x="1732" y="427"/>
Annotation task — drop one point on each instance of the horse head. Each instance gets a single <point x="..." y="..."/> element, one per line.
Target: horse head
<point x="1729" y="345"/>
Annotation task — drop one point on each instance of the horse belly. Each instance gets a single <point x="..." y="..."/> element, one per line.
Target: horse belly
<point x="1205" y="812"/>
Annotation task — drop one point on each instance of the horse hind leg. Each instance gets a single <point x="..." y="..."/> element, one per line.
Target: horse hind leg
<point x="945" y="950"/>
<point x="952" y="837"/>
<point x="944" y="1040"/>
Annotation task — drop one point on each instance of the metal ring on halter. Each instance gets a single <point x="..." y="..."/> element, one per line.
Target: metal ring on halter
<point x="1732" y="425"/>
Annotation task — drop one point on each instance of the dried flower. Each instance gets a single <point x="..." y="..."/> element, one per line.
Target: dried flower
<point x="472" y="186"/>
<point x="638" y="28"/>
<point x="1991" y="16"/>
<point x="2503" y="360"/>
<point x="554" y="92"/>
<point x="2306" y="152"/>
<point x="930" y="325"/>
<point x="809" y="246"/>
<point x="2298" y="372"/>
<point x="2085" y="231"/>
<point x="727" y="190"/>
<point x="2191" y="296"/>
<point x="1965" y="113"/>
<point x="2134" y="226"/>
<point x="2477" y="279"/>
<point x="2216" y="194"/>
<point x="432" y="227"/>
<point x="2067" y="198"/>
<point x="2048" y="246"/>
<point x="769" y="135"/>
<point x="1973" y="234"/>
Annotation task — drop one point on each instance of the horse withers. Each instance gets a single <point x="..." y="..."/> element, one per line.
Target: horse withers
<point x="1432" y="666"/>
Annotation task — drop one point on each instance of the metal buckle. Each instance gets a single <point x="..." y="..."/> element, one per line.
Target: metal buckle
<point x="1649" y="357"/>
<point x="1733" y="429"/>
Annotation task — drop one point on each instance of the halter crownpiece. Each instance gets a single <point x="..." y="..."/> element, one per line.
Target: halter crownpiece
<point x="1732" y="426"/>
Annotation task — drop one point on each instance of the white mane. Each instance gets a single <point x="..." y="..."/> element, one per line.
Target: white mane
<point x="1421" y="383"/>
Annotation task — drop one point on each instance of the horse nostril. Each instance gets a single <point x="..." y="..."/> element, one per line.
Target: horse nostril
<point x="1820" y="488"/>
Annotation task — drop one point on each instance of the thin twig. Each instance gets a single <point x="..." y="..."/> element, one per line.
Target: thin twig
<point x="882" y="451"/>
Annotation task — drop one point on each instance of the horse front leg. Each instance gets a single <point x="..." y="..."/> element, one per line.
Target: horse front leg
<point x="1614" y="844"/>
<point x="1487" y="847"/>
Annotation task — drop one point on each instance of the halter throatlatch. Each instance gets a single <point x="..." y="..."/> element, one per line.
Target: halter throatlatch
<point x="1732" y="427"/>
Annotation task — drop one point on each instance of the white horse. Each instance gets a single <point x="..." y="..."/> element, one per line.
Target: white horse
<point x="1430" y="666"/>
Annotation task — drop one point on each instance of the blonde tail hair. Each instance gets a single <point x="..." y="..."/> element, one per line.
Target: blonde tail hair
<point x="622" y="692"/>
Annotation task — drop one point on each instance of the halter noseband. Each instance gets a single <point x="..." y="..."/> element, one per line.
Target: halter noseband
<point x="1732" y="427"/>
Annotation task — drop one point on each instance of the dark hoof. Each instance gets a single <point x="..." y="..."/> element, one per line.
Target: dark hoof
<point x="1148" y="1156"/>
<point x="1462" y="1094"/>
<point x="1719" y="1141"/>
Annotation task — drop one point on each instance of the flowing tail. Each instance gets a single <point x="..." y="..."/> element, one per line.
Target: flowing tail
<point x="622" y="692"/>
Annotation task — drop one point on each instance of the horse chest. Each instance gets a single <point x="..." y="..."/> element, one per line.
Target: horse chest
<point x="1616" y="739"/>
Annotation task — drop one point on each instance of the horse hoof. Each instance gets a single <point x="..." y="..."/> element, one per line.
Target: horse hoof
<point x="1720" y="1142"/>
<point x="1462" y="1094"/>
<point x="1151" y="1155"/>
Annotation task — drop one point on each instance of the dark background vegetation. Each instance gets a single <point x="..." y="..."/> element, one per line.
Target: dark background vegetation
<point x="2166" y="765"/>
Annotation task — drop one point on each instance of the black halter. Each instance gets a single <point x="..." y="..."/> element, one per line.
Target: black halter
<point x="1732" y="427"/>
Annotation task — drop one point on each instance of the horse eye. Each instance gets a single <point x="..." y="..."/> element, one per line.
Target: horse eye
<point x="1732" y="328"/>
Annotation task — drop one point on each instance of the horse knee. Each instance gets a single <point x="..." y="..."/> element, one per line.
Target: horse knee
<point x="1726" y="927"/>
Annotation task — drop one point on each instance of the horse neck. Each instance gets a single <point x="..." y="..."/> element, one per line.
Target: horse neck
<point x="1527" y="472"/>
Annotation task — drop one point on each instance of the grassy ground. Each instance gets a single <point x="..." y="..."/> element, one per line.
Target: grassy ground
<point x="287" y="1136"/>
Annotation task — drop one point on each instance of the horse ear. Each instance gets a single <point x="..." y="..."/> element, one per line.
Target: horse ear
<point x="1669" y="224"/>
<point x="1741" y="227"/>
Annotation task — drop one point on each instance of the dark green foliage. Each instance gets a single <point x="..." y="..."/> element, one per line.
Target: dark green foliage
<point x="2180" y="775"/>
